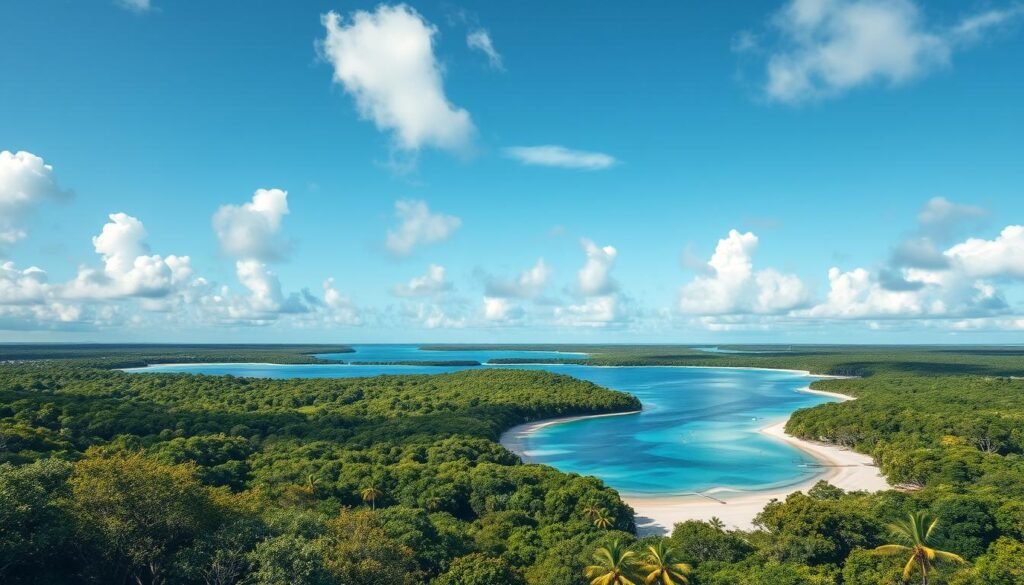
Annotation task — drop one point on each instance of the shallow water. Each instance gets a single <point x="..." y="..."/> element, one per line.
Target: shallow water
<point x="698" y="431"/>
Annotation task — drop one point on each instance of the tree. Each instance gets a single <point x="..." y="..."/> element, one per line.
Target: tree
<point x="915" y="535"/>
<point x="362" y="552"/>
<point x="137" y="513"/>
<point x="291" y="559"/>
<point x="33" y="527"/>
<point x="660" y="565"/>
<point x="700" y="542"/>
<point x="1003" y="564"/>
<point x="603" y="519"/>
<point x="613" y="565"/>
<point x="479" y="569"/>
<point x="371" y="494"/>
<point x="591" y="511"/>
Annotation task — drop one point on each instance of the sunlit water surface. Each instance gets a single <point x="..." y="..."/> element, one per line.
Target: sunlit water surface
<point x="698" y="431"/>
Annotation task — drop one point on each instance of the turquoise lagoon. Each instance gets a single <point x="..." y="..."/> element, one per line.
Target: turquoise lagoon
<point x="697" y="433"/>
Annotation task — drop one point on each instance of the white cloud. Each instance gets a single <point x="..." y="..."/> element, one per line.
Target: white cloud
<point x="19" y="287"/>
<point x="340" y="309"/>
<point x="595" y="311"/>
<point x="251" y="230"/>
<point x="550" y="155"/>
<point x="264" y="302"/>
<point x="594" y="278"/>
<point x="25" y="181"/>
<point x="828" y="47"/>
<point x="732" y="286"/>
<point x="970" y="28"/>
<point x="940" y="218"/>
<point x="529" y="284"/>
<point x="138" y="6"/>
<point x="858" y="295"/>
<point x="419" y="226"/>
<point x="956" y="289"/>
<point x="480" y="40"/>
<point x="499" y="309"/>
<point x="433" y="316"/>
<point x="1001" y="257"/>
<point x="264" y="286"/>
<point x="430" y="284"/>
<point x="128" y="269"/>
<point x="385" y="60"/>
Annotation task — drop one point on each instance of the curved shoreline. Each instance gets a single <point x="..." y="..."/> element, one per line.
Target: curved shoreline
<point x="512" y="439"/>
<point x="736" y="508"/>
<point x="842" y="468"/>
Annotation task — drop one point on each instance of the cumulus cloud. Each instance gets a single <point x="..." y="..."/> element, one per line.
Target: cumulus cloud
<point x="128" y="268"/>
<point x="959" y="286"/>
<point x="596" y="311"/>
<point x="430" y="284"/>
<point x="940" y="221"/>
<point x="433" y="316"/>
<point x="730" y="284"/>
<point x="340" y="309"/>
<point x="856" y="294"/>
<point x="251" y="230"/>
<point x="550" y="155"/>
<point x="498" y="309"/>
<point x="385" y="60"/>
<point x="598" y="301"/>
<point x="999" y="257"/>
<point x="418" y="226"/>
<point x="20" y="287"/>
<point x="480" y="40"/>
<point x="827" y="47"/>
<point x="529" y="284"/>
<point x="25" y="182"/>
<point x="595" y="277"/>
<point x="501" y="295"/>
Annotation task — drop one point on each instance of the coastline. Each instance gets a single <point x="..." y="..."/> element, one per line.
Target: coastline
<point x="512" y="439"/>
<point x="841" y="467"/>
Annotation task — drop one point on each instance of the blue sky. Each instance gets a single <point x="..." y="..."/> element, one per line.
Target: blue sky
<point x="527" y="171"/>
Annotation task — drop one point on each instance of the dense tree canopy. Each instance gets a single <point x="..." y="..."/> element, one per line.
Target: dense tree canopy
<point x="108" y="477"/>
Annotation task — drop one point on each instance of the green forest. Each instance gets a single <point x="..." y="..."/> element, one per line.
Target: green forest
<point x="110" y="477"/>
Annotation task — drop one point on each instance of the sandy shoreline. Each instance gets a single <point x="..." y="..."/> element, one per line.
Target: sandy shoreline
<point x="513" y="438"/>
<point x="841" y="467"/>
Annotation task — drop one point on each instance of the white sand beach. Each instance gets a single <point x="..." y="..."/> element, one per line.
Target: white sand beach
<point x="841" y="467"/>
<point x="512" y="439"/>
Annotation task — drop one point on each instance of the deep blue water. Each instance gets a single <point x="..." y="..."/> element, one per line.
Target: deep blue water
<point x="698" y="430"/>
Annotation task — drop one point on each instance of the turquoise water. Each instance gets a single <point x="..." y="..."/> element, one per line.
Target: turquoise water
<point x="698" y="431"/>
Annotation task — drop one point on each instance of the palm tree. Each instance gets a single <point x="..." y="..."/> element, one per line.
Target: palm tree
<point x="717" y="523"/>
<point x="661" y="566"/>
<point x="370" y="495"/>
<point x="591" y="511"/>
<point x="603" y="519"/>
<point x="613" y="565"/>
<point x="914" y="536"/>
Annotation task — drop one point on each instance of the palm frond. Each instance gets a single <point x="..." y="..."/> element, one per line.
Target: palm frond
<point x="891" y="549"/>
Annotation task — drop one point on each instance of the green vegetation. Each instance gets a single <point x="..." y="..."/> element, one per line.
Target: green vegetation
<point x="107" y="477"/>
<point x="915" y="536"/>
<point x="131" y="355"/>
